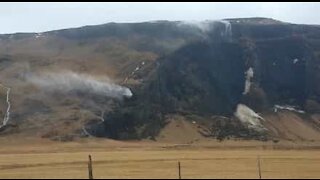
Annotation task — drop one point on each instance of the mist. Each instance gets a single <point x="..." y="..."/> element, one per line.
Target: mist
<point x="68" y="81"/>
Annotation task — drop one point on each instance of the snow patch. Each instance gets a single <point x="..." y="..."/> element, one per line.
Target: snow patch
<point x="38" y="35"/>
<point x="287" y="107"/>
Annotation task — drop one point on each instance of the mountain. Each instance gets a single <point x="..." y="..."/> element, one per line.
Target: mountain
<point x="250" y="78"/>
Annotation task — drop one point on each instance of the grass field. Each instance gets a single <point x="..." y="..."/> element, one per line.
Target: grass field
<point x="112" y="160"/>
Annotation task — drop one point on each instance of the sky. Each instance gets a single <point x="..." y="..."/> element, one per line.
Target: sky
<point x="40" y="17"/>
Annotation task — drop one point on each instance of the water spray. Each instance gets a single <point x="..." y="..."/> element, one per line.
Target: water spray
<point x="71" y="81"/>
<point x="249" y="76"/>
<point x="206" y="27"/>
<point x="7" y="115"/>
<point x="228" y="29"/>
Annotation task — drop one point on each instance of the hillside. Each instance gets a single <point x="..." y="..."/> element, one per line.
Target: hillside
<point x="252" y="78"/>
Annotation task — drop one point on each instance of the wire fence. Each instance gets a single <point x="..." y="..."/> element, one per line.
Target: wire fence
<point x="179" y="169"/>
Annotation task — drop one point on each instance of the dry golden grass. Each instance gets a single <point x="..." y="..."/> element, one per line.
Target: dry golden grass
<point x="113" y="159"/>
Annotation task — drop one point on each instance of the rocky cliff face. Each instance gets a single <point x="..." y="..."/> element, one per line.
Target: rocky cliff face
<point x="258" y="68"/>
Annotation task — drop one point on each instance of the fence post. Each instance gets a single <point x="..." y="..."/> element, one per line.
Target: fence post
<point x="179" y="168"/>
<point x="259" y="168"/>
<point x="90" y="168"/>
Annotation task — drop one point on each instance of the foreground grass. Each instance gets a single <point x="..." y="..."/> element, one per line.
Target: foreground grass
<point x="38" y="158"/>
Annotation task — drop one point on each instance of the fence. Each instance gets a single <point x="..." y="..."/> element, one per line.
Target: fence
<point x="90" y="169"/>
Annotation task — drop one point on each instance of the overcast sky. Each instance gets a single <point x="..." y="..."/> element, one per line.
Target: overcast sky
<point x="39" y="17"/>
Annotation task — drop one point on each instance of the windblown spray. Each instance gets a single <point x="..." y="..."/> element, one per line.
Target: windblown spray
<point x="74" y="82"/>
<point x="205" y="27"/>
<point x="248" y="117"/>
<point x="227" y="29"/>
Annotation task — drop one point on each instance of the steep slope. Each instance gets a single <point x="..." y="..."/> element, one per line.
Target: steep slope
<point x="234" y="77"/>
<point x="259" y="66"/>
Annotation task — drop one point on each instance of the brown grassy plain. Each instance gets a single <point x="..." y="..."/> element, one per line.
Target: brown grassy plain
<point x="39" y="158"/>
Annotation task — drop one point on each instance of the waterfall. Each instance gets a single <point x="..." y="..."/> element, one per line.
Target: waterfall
<point x="249" y="76"/>
<point x="7" y="115"/>
<point x="227" y="33"/>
